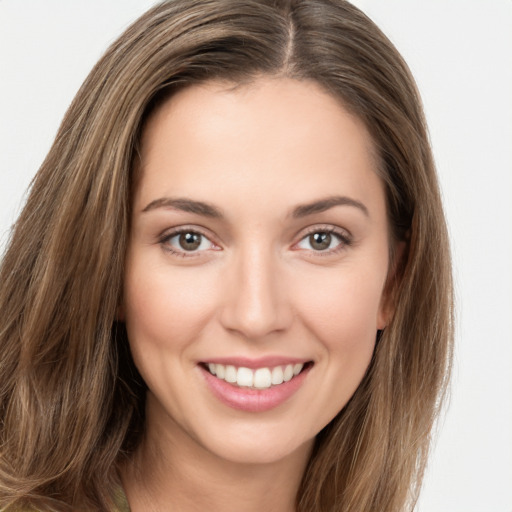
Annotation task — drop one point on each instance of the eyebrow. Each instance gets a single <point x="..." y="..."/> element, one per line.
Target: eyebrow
<point x="325" y="204"/>
<point x="185" y="205"/>
<point x="208" y="210"/>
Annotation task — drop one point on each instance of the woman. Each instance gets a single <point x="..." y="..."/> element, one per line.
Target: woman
<point x="177" y="332"/>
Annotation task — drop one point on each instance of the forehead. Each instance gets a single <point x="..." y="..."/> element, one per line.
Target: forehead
<point x="297" y="107"/>
<point x="257" y="141"/>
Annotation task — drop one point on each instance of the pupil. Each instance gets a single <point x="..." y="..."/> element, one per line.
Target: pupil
<point x="190" y="241"/>
<point x="320" y="241"/>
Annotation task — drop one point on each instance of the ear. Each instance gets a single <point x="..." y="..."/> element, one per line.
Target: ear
<point x="388" y="299"/>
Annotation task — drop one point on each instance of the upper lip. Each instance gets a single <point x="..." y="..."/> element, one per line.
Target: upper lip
<point x="259" y="362"/>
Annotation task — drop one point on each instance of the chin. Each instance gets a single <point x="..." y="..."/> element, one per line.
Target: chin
<point x="256" y="446"/>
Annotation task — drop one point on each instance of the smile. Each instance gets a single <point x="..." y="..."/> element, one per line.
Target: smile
<point x="258" y="378"/>
<point x="264" y="386"/>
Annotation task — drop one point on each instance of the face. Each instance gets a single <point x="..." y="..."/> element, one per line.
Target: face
<point x="257" y="266"/>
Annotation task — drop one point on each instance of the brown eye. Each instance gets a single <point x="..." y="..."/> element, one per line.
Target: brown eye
<point x="324" y="241"/>
<point x="189" y="241"/>
<point x="320" y="241"/>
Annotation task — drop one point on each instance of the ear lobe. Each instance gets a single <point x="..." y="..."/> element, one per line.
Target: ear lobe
<point x="385" y="311"/>
<point x="388" y="299"/>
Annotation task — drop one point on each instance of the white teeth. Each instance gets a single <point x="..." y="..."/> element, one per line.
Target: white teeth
<point x="244" y="377"/>
<point x="220" y="370"/>
<point x="261" y="378"/>
<point x="277" y="375"/>
<point x="288" y="372"/>
<point x="230" y="374"/>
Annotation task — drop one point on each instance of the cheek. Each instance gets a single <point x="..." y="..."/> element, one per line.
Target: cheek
<point x="340" y="312"/>
<point x="165" y="308"/>
<point x="343" y="308"/>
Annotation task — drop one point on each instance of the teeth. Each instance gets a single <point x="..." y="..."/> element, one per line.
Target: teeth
<point x="245" y="377"/>
<point x="231" y="374"/>
<point x="220" y="371"/>
<point x="288" y="372"/>
<point x="277" y="375"/>
<point x="261" y="378"/>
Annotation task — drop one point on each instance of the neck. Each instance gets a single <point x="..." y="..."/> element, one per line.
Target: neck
<point x="173" y="472"/>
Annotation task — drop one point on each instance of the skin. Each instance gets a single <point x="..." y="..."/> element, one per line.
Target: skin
<point x="256" y="286"/>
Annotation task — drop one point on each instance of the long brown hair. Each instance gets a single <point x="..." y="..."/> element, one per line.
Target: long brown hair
<point x="71" y="400"/>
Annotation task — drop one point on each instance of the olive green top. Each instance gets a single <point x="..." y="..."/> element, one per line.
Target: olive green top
<point x="121" y="501"/>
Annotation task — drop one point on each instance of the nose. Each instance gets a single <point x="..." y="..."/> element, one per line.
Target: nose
<point x="256" y="301"/>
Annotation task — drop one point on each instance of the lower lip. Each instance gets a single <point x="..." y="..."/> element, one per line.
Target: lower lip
<point x="253" y="400"/>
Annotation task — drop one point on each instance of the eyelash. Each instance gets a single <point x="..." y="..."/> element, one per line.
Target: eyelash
<point x="345" y="240"/>
<point x="343" y="236"/>
<point x="164" y="241"/>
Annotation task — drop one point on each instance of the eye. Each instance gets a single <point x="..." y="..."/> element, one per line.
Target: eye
<point x="324" y="240"/>
<point x="186" y="241"/>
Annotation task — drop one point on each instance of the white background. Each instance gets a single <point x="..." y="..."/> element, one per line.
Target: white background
<point x="460" y="52"/>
